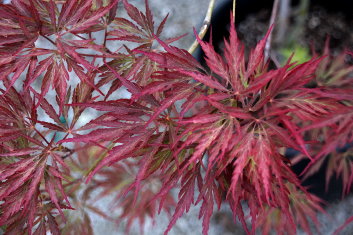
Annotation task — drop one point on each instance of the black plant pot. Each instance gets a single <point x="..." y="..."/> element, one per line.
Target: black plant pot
<point x="244" y="8"/>
<point x="220" y="28"/>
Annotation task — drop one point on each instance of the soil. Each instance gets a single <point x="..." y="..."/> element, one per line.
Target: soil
<point x="337" y="26"/>
<point x="318" y="25"/>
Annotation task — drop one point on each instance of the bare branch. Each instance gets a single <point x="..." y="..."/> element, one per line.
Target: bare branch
<point x="272" y="21"/>
<point x="234" y="7"/>
<point x="204" y="28"/>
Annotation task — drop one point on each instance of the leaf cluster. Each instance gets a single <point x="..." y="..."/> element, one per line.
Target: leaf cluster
<point x="216" y="133"/>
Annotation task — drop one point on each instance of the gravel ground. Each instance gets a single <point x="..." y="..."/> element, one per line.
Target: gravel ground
<point x="184" y="15"/>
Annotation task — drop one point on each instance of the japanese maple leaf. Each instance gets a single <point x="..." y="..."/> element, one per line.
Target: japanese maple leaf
<point x="248" y="114"/>
<point x="32" y="169"/>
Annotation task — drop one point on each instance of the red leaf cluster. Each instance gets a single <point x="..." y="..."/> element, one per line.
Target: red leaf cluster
<point x="217" y="134"/>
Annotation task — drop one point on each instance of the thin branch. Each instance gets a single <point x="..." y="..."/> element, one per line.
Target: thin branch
<point x="49" y="39"/>
<point x="283" y="19"/>
<point x="272" y="21"/>
<point x="275" y="60"/>
<point x="105" y="32"/>
<point x="205" y="26"/>
<point x="234" y="7"/>
<point x="98" y="56"/>
<point x="79" y="36"/>
<point x="40" y="134"/>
